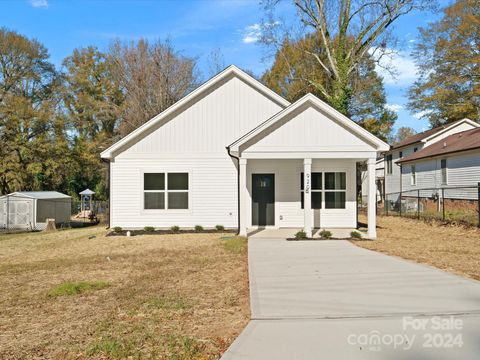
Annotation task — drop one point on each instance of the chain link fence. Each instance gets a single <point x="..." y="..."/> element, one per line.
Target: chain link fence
<point x="460" y="204"/>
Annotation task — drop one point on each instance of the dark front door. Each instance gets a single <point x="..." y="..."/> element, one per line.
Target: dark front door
<point x="263" y="199"/>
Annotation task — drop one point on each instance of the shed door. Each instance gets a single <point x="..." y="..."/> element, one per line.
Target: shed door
<point x="19" y="213"/>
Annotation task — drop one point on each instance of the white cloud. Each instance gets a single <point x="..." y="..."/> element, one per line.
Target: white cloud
<point x="402" y="64"/>
<point x="39" y="3"/>
<point x="394" y="107"/>
<point x="421" y="114"/>
<point x="252" y="34"/>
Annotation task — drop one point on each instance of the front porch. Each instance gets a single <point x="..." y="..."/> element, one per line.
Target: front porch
<point x="279" y="197"/>
<point x="298" y="170"/>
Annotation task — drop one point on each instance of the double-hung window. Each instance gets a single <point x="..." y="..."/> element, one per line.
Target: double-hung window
<point x="316" y="190"/>
<point x="165" y="191"/>
<point x="335" y="190"/>
<point x="413" y="174"/>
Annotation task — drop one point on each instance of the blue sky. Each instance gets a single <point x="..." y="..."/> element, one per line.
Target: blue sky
<point x="195" y="27"/>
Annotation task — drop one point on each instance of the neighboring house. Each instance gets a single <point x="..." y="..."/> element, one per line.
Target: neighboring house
<point x="380" y="180"/>
<point x="394" y="181"/>
<point x="451" y="163"/>
<point x="28" y="209"/>
<point x="235" y="153"/>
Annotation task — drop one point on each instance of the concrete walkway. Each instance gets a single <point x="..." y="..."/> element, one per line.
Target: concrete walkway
<point x="334" y="300"/>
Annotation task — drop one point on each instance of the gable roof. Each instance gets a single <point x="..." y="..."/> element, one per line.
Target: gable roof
<point x="312" y="100"/>
<point x="429" y="134"/>
<point x="42" y="195"/>
<point x="462" y="141"/>
<point x="231" y="71"/>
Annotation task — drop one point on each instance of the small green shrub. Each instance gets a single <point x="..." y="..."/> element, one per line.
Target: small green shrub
<point x="198" y="228"/>
<point x="117" y="229"/>
<point x="149" y="228"/>
<point x="74" y="288"/>
<point x="355" y="235"/>
<point x="325" y="234"/>
<point x="301" y="235"/>
<point x="219" y="227"/>
<point x="175" y="229"/>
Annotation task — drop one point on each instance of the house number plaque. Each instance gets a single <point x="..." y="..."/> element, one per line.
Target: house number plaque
<point x="307" y="183"/>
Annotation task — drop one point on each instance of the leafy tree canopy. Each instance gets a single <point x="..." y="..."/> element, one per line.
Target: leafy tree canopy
<point x="448" y="57"/>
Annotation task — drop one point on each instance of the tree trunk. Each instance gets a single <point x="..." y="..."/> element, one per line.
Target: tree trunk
<point x="51" y="226"/>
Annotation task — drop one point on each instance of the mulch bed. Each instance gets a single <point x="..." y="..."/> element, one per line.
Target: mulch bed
<point x="166" y="232"/>
<point x="316" y="239"/>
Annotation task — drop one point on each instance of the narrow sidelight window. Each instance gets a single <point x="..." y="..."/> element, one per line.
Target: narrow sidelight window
<point x="443" y="165"/>
<point x="413" y="174"/>
<point x="389" y="164"/>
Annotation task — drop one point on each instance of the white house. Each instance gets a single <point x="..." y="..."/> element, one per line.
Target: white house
<point x="28" y="210"/>
<point x="453" y="163"/>
<point x="394" y="180"/>
<point x="235" y="153"/>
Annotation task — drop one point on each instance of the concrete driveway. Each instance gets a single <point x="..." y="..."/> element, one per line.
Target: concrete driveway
<point x="334" y="300"/>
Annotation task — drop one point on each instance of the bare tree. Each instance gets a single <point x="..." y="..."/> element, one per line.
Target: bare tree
<point x="215" y="61"/>
<point x="348" y="32"/>
<point x="153" y="76"/>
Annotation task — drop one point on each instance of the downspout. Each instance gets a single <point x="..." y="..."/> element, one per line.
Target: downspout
<point x="238" y="187"/>
<point x="109" y="192"/>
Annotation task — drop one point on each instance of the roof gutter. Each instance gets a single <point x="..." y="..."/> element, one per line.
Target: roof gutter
<point x="438" y="155"/>
<point x="238" y="187"/>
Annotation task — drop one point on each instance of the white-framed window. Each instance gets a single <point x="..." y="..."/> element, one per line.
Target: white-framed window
<point x="413" y="175"/>
<point x="444" y="168"/>
<point x="400" y="154"/>
<point x="389" y="161"/>
<point x="335" y="190"/>
<point x="316" y="190"/>
<point x="165" y="191"/>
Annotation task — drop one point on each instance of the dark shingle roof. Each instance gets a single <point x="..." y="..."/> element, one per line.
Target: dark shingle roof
<point x="462" y="141"/>
<point x="417" y="137"/>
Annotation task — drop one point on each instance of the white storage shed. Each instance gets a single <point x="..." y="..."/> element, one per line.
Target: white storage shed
<point x="28" y="209"/>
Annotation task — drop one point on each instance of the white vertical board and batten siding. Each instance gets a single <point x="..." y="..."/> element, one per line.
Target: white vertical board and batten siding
<point x="288" y="211"/>
<point x="308" y="130"/>
<point x="192" y="141"/>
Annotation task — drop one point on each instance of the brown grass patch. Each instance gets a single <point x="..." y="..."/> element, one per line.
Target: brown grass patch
<point x="168" y="296"/>
<point x="448" y="247"/>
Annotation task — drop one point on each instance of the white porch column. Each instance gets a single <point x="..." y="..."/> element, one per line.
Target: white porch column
<point x="242" y="169"/>
<point x="372" y="198"/>
<point x="307" y="196"/>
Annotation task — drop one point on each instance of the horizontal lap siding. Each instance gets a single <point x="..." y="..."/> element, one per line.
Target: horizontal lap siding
<point x="462" y="170"/>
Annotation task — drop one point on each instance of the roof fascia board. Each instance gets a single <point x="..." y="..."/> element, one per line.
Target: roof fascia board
<point x="450" y="153"/>
<point x="451" y="126"/>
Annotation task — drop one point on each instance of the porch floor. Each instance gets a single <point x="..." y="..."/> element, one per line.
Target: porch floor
<point x="337" y="233"/>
